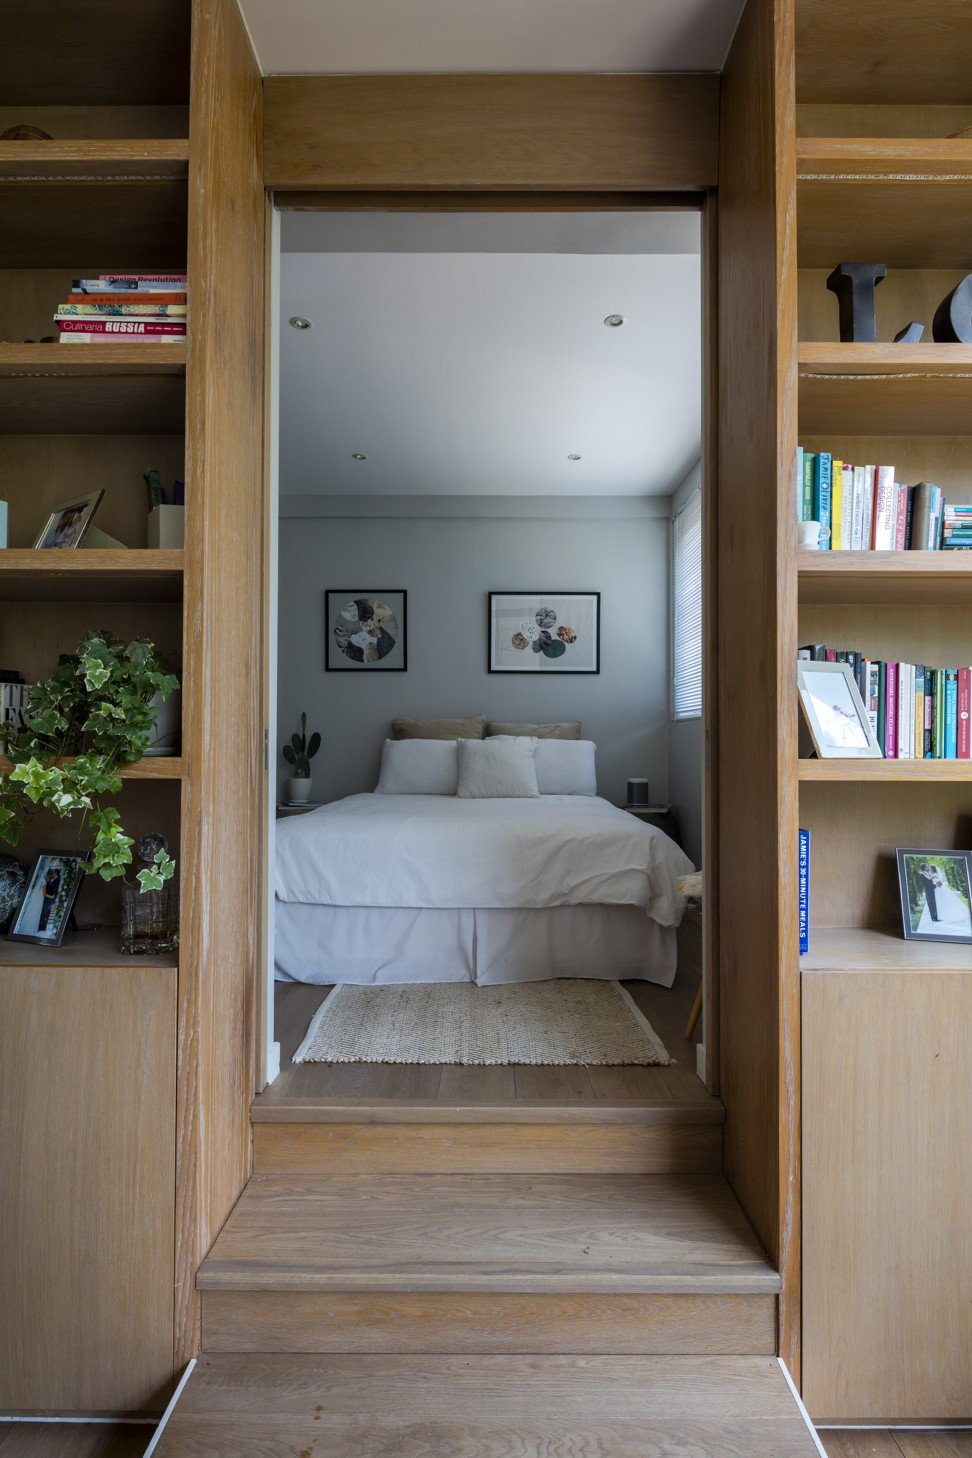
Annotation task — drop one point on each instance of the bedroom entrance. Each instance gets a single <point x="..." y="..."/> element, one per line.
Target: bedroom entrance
<point x="489" y="663"/>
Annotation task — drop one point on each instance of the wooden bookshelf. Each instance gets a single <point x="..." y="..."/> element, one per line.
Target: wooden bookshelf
<point x="938" y="579"/>
<point x="58" y="223"/>
<point x="96" y="948"/>
<point x="870" y="771"/>
<point x="863" y="949"/>
<point x="92" y="389"/>
<point x="168" y="767"/>
<point x="96" y="159"/>
<point x="91" y="575"/>
<point x="894" y="53"/>
<point x="905" y="202"/>
<point x="885" y="389"/>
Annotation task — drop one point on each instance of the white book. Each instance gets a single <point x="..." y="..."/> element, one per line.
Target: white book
<point x="867" y="527"/>
<point x="906" y="708"/>
<point x="857" y="532"/>
<point x="885" y="509"/>
<point x="847" y="509"/>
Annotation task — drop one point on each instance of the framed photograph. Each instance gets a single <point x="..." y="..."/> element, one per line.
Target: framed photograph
<point x="544" y="632"/>
<point x="835" y="712"/>
<point x="365" y="630"/>
<point x="67" y="524"/>
<point x="48" y="900"/>
<point x="936" y="895"/>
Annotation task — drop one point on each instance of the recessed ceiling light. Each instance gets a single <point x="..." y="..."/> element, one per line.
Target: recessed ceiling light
<point x="614" y="321"/>
<point x="358" y="456"/>
<point x="299" y="322"/>
<point x="573" y="457"/>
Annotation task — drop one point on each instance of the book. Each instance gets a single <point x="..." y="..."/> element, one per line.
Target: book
<point x="84" y="337"/>
<point x="921" y="524"/>
<point x="806" y="513"/>
<point x="872" y="694"/>
<point x="821" y="495"/>
<point x="131" y="297"/>
<point x="951" y="714"/>
<point x="13" y="712"/>
<point x="798" y="483"/>
<point x="181" y="279"/>
<point x="837" y="506"/>
<point x="918" y="707"/>
<point x="120" y="311"/>
<point x="175" y="327"/>
<point x="900" y="518"/>
<point x="928" y="726"/>
<point x="885" y="510"/>
<point x="867" y="523"/>
<point x="891" y="701"/>
<point x="117" y="286"/>
<point x="857" y="527"/>
<point x="963" y="729"/>
<point x="803" y="885"/>
<point x="938" y="714"/>
<point x="882" y="718"/>
<point x="906" y="710"/>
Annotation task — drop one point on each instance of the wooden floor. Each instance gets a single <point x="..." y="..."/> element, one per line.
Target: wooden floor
<point x="74" y="1440"/>
<point x="667" y="1009"/>
<point x="850" y="1443"/>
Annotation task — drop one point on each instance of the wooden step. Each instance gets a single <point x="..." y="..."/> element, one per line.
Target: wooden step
<point x="371" y="1137"/>
<point x="487" y="1263"/>
<point x="486" y="1407"/>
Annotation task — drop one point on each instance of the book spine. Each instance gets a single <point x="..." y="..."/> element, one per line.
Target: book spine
<point x="918" y="733"/>
<point x="900" y="518"/>
<point x="120" y="311"/>
<point x="891" y="711"/>
<point x="884" y="509"/>
<point x="803" y="878"/>
<point x="938" y="689"/>
<point x="798" y="483"/>
<point x="857" y="528"/>
<point x="963" y="733"/>
<point x="178" y="280"/>
<point x="870" y="486"/>
<point x="905" y="708"/>
<point x="176" y="327"/>
<point x="882" y="718"/>
<point x="821" y="496"/>
<point x="951" y="713"/>
<point x="847" y="523"/>
<point x="921" y="523"/>
<point x="808" y="463"/>
<point x="837" y="506"/>
<point x="88" y="337"/>
<point x="872" y="697"/>
<point x="929" y="724"/>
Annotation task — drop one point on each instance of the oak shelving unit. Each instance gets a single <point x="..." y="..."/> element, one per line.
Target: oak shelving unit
<point x="879" y="90"/>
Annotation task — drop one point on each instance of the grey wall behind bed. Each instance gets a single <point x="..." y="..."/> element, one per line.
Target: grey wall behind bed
<point x="448" y="552"/>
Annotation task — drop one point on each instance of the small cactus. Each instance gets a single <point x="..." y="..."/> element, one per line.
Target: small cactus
<point x="301" y="750"/>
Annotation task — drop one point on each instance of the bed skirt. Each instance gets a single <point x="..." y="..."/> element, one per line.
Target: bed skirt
<point x="375" y="945"/>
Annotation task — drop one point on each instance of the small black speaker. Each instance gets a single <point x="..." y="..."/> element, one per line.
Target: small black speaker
<point x="638" y="793"/>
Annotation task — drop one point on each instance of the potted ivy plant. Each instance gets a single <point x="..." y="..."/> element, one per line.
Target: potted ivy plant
<point x="298" y="754"/>
<point x="94" y="714"/>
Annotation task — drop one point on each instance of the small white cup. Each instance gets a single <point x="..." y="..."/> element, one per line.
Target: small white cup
<point x="808" y="536"/>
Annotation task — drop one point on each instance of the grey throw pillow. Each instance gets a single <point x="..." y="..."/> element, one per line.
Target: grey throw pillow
<point x="471" y="728"/>
<point x="570" y="729"/>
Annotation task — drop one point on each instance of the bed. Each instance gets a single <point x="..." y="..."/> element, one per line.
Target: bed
<point x="388" y="888"/>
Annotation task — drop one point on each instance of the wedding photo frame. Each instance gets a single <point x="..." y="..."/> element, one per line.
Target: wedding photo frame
<point x="835" y="712"/>
<point x="936" y="895"/>
<point x="48" y="900"/>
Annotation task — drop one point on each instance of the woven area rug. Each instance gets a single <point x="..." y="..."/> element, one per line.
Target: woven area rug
<point x="559" y="1022"/>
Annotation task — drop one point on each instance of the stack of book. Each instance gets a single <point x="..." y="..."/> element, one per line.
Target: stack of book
<point x="864" y="509"/>
<point x="149" y="308"/>
<point x="916" y="712"/>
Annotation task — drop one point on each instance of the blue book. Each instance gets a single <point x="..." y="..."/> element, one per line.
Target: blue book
<point x="951" y="713"/>
<point x="803" y="878"/>
<point x="822" y="476"/>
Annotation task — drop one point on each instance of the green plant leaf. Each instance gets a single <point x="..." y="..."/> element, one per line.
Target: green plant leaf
<point x="313" y="745"/>
<point x="289" y="755"/>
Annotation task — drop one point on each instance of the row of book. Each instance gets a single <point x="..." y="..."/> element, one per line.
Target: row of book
<point x="149" y="308"/>
<point x="13" y="706"/>
<point x="864" y="509"/>
<point x="916" y="712"/>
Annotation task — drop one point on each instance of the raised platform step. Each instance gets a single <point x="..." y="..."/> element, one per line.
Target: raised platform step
<point x="496" y="1263"/>
<point x="552" y="1137"/>
<point x="486" y="1407"/>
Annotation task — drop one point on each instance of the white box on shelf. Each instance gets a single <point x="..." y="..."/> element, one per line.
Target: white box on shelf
<point x="167" y="526"/>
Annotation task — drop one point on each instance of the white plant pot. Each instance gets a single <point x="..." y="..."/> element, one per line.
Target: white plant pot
<point x="299" y="790"/>
<point x="166" y="734"/>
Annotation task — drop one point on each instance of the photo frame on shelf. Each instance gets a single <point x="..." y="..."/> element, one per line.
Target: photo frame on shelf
<point x="544" y="632"/>
<point x="49" y="895"/>
<point x="365" y="630"/>
<point x="834" y="712"/>
<point x="67" y="525"/>
<point x="936" y="895"/>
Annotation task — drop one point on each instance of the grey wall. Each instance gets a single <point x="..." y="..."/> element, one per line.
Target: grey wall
<point x="686" y="745"/>
<point x="448" y="553"/>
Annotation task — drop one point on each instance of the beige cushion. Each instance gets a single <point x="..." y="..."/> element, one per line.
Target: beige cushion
<point x="471" y="728"/>
<point x="571" y="729"/>
<point x="500" y="769"/>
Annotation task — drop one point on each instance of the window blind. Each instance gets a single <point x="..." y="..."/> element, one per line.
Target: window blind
<point x="687" y="610"/>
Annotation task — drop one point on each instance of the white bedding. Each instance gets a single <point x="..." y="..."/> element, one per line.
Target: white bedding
<point x="438" y="852"/>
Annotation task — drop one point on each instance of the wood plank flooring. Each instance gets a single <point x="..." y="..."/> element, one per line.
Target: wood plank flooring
<point x="667" y="1009"/>
<point x="476" y="1407"/>
<point x="877" y="1443"/>
<point x="74" y="1440"/>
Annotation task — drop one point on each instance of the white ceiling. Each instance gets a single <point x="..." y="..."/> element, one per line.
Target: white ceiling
<point x="380" y="36"/>
<point x="479" y="372"/>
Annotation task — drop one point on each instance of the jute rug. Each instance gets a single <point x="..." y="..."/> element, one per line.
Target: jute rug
<point x="578" y="1021"/>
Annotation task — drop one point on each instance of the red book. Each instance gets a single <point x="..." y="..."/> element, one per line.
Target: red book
<point x="964" y="736"/>
<point x="831" y="655"/>
<point x="891" y="713"/>
<point x="175" y="328"/>
<point x="901" y="519"/>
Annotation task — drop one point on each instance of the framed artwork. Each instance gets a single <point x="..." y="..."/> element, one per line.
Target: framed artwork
<point x="835" y="712"/>
<point x="67" y="524"/>
<point x="48" y="900"/>
<point x="936" y="895"/>
<point x="365" y="630"/>
<point x="544" y="632"/>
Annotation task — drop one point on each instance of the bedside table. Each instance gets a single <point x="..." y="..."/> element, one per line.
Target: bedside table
<point x="284" y="810"/>
<point x="661" y="816"/>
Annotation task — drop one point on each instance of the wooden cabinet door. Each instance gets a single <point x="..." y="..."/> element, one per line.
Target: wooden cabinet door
<point x="87" y="1160"/>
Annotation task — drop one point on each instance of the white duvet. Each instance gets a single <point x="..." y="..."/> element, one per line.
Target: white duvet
<point x="436" y="851"/>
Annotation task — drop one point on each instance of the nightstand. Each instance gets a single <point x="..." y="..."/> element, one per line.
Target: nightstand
<point x="284" y="810"/>
<point x="661" y="816"/>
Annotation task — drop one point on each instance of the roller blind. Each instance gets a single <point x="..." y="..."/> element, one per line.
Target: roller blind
<point x="687" y="610"/>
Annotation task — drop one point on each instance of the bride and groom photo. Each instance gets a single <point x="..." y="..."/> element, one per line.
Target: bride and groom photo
<point x="936" y="895"/>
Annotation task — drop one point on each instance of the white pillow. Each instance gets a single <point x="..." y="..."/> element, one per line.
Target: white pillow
<point x="419" y="767"/>
<point x="500" y="768"/>
<point x="566" y="767"/>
